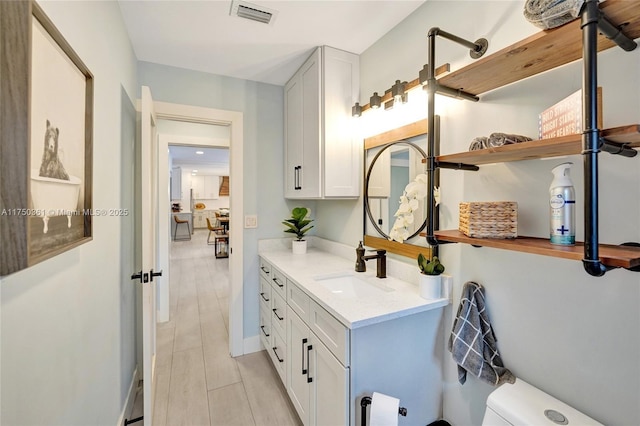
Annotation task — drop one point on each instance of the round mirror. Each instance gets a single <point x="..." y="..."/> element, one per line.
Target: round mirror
<point x="391" y="168"/>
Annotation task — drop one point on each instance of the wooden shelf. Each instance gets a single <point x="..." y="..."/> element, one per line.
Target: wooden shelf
<point x="545" y="148"/>
<point x="540" y="52"/>
<point x="610" y="255"/>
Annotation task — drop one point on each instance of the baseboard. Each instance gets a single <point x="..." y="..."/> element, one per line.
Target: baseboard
<point x="131" y="397"/>
<point x="251" y="345"/>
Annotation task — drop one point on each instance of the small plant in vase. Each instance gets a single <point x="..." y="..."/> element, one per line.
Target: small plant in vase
<point x="298" y="224"/>
<point x="430" y="280"/>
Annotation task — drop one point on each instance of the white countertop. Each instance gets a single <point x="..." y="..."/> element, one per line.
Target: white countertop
<point x="353" y="312"/>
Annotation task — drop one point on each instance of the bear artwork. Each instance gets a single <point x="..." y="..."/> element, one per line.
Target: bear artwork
<point x="51" y="166"/>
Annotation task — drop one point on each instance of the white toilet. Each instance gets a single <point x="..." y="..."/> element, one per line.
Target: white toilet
<point x="521" y="404"/>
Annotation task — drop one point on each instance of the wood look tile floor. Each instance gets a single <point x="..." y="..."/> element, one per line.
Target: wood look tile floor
<point x="197" y="382"/>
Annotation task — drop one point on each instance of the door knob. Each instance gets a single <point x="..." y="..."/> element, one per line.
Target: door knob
<point x="144" y="278"/>
<point x="155" y="274"/>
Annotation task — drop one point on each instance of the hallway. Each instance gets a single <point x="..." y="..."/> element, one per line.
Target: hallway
<point x="197" y="382"/>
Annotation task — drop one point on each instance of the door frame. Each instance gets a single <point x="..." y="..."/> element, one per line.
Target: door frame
<point x="234" y="119"/>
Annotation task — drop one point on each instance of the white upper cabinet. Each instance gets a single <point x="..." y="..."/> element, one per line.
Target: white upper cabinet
<point x="176" y="183"/>
<point x="322" y="154"/>
<point x="205" y="187"/>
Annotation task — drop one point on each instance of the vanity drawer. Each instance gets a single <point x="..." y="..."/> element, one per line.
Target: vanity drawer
<point x="279" y="282"/>
<point x="278" y="352"/>
<point x="279" y="314"/>
<point x="265" y="292"/>
<point x="265" y="326"/>
<point x="299" y="301"/>
<point x="265" y="269"/>
<point x="330" y="331"/>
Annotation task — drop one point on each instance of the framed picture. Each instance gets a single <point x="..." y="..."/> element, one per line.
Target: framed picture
<point x="46" y="128"/>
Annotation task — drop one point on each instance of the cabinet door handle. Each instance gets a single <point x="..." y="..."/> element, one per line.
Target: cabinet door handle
<point x="265" y="270"/>
<point x="304" y="370"/>
<point x="276" y="314"/>
<point x="299" y="177"/>
<point x="296" y="181"/>
<point x="309" y="379"/>
<point x="275" y="279"/>
<point x="264" y="298"/>
<point x="277" y="357"/>
<point x="265" y="333"/>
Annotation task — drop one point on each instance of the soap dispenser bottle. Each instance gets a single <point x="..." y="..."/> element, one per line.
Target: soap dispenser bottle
<point x="360" y="265"/>
<point x="562" y="206"/>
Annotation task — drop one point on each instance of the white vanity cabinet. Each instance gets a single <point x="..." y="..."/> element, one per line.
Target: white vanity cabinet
<point x="333" y="356"/>
<point x="273" y="319"/>
<point x="322" y="156"/>
<point x="317" y="382"/>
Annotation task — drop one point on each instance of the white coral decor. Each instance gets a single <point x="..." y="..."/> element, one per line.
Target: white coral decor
<point x="410" y="202"/>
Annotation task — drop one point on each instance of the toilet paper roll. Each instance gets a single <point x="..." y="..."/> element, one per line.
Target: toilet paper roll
<point x="384" y="410"/>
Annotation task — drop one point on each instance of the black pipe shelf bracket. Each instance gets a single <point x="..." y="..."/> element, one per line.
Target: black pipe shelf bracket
<point x="458" y="166"/>
<point x="616" y="148"/>
<point x="476" y="50"/>
<point x="592" y="20"/>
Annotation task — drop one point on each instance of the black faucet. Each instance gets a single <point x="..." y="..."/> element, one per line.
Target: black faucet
<point x="380" y="256"/>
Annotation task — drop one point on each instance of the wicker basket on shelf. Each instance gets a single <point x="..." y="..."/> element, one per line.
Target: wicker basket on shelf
<point x="490" y="219"/>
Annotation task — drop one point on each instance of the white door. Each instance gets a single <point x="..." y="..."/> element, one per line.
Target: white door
<point x="330" y="393"/>
<point x="298" y="386"/>
<point x="148" y="222"/>
<point x="293" y="136"/>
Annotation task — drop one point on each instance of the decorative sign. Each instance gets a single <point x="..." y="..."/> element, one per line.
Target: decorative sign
<point x="565" y="117"/>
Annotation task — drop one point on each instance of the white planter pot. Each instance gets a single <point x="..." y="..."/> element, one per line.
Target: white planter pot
<point x="430" y="286"/>
<point x="299" y="247"/>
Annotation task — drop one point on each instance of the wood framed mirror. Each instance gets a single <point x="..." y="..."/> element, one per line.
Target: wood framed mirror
<point x="392" y="160"/>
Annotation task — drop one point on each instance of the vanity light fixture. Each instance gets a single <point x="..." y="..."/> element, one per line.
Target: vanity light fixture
<point x="356" y="110"/>
<point x="375" y="100"/>
<point x="423" y="76"/>
<point x="200" y="152"/>
<point x="398" y="93"/>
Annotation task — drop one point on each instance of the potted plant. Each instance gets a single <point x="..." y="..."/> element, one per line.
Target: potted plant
<point x="430" y="280"/>
<point x="299" y="225"/>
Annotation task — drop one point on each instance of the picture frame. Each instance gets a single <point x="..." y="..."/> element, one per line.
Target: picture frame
<point x="46" y="130"/>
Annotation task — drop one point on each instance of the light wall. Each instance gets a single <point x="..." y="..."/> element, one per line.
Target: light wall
<point x="572" y="335"/>
<point x="68" y="323"/>
<point x="262" y="108"/>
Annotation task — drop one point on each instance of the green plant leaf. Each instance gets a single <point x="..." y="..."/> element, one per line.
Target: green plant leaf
<point x="430" y="267"/>
<point x="297" y="224"/>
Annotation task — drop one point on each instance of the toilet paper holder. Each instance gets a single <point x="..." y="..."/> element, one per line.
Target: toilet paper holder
<point x="366" y="400"/>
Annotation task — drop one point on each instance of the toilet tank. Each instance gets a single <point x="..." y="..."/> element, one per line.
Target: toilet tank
<point x="522" y="404"/>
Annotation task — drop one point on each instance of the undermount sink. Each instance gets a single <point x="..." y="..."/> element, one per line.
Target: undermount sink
<point x="348" y="284"/>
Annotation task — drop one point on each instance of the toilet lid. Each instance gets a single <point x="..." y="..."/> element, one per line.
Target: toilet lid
<point x="521" y="403"/>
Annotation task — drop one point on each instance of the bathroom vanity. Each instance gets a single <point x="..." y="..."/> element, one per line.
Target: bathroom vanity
<point x="335" y="335"/>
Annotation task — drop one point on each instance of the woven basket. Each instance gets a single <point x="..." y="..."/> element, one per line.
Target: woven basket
<point x="491" y="219"/>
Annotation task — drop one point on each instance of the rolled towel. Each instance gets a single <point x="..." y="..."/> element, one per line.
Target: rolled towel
<point x="500" y="139"/>
<point x="478" y="143"/>
<point x="547" y="14"/>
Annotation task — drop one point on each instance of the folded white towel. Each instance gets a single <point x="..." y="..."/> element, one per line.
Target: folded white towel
<point x="472" y="342"/>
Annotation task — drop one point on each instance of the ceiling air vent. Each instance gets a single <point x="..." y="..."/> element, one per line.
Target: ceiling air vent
<point x="252" y="11"/>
